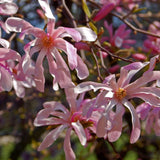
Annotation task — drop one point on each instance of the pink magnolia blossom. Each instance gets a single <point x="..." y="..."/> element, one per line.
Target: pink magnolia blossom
<point x="152" y="44"/>
<point x="58" y="116"/>
<point x="49" y="45"/>
<point x="7" y="56"/>
<point x="120" y="38"/>
<point x="11" y="71"/>
<point x="117" y="93"/>
<point x="150" y="114"/>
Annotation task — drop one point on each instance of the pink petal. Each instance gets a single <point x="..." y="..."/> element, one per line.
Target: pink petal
<point x="135" y="122"/>
<point x="82" y="70"/>
<point x="8" y="8"/>
<point x="59" y="70"/>
<point x="17" y="24"/>
<point x="143" y="110"/>
<point x="55" y="106"/>
<point x="51" y="137"/>
<point x="50" y="28"/>
<point x="39" y="76"/>
<point x="116" y="130"/>
<point x="69" y="49"/>
<point x="46" y="7"/>
<point x="19" y="88"/>
<point x="80" y="132"/>
<point x="109" y="28"/>
<point x="69" y="154"/>
<point x="5" y="79"/>
<point x="104" y="11"/>
<point x="148" y="98"/>
<point x="43" y="119"/>
<point x="86" y="86"/>
<point x="154" y="75"/>
<point x="4" y="43"/>
<point x="87" y="34"/>
<point x="6" y="54"/>
<point x="101" y="127"/>
<point x="73" y="33"/>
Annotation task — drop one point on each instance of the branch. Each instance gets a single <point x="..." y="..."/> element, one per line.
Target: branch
<point x="99" y="73"/>
<point x="69" y="13"/>
<point x="113" y="55"/>
<point x="134" y="28"/>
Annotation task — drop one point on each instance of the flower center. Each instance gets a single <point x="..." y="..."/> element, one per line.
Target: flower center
<point x="120" y="93"/>
<point x="85" y="122"/>
<point x="47" y="41"/>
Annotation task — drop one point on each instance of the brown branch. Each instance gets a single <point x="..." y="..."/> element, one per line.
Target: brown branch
<point x="113" y="55"/>
<point x="133" y="27"/>
<point x="99" y="73"/>
<point x="118" y="156"/>
<point x="69" y="13"/>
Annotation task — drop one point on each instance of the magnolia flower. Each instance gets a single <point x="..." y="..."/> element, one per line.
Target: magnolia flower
<point x="152" y="44"/>
<point x="59" y="117"/>
<point x="120" y="38"/>
<point x="118" y="94"/>
<point x="7" y="56"/>
<point x="150" y="114"/>
<point x="12" y="74"/>
<point x="51" y="45"/>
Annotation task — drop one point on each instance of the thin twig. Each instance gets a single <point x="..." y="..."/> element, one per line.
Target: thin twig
<point x="12" y="37"/>
<point x="114" y="149"/>
<point x="134" y="28"/>
<point x="113" y="55"/>
<point x="69" y="13"/>
<point x="99" y="73"/>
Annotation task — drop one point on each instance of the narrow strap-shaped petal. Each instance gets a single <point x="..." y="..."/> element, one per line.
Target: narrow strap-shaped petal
<point x="104" y="11"/>
<point x="69" y="49"/>
<point x="45" y="6"/>
<point x="6" y="54"/>
<point x="4" y="43"/>
<point x="116" y="129"/>
<point x="51" y="137"/>
<point x="149" y="90"/>
<point x="132" y="69"/>
<point x="153" y="75"/>
<point x="8" y="8"/>
<point x="5" y="79"/>
<point x="135" y="122"/>
<point x="87" y="86"/>
<point x="82" y="70"/>
<point x="39" y="76"/>
<point x="101" y="127"/>
<point x="87" y="34"/>
<point x="19" y="88"/>
<point x="143" y="110"/>
<point x="59" y="70"/>
<point x="17" y="24"/>
<point x="55" y="106"/>
<point x="147" y="97"/>
<point x="69" y="154"/>
<point x="80" y="132"/>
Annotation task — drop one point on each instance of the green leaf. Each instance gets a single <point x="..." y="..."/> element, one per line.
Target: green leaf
<point x="93" y="27"/>
<point x="85" y="8"/>
<point x="138" y="10"/>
